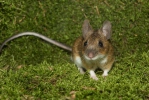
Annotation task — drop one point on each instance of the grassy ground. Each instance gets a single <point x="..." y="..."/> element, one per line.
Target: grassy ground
<point x="32" y="69"/>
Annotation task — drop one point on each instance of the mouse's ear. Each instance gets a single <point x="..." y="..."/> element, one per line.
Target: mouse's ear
<point x="86" y="27"/>
<point x="106" y="29"/>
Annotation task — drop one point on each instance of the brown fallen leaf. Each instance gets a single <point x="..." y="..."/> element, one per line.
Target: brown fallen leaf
<point x="6" y="67"/>
<point x="50" y="68"/>
<point x="72" y="96"/>
<point x="19" y="67"/>
<point x="27" y="97"/>
<point x="88" y="88"/>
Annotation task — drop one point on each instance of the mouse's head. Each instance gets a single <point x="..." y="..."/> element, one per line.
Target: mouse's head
<point x="95" y="42"/>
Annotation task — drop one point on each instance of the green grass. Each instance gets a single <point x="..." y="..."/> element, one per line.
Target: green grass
<point x="33" y="69"/>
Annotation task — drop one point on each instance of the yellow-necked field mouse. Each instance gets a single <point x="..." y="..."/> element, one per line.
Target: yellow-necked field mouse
<point x="90" y="51"/>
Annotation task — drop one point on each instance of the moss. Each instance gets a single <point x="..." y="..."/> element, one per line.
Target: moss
<point x="33" y="69"/>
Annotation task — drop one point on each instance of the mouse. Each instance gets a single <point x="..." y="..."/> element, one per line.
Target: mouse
<point x="94" y="50"/>
<point x="90" y="51"/>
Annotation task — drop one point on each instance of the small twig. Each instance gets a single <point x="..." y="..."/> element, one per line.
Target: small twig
<point x="106" y="3"/>
<point x="97" y="10"/>
<point x="41" y="6"/>
<point x="1" y="70"/>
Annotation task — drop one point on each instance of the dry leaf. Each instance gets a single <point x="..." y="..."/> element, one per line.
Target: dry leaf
<point x="20" y="66"/>
<point x="88" y="88"/>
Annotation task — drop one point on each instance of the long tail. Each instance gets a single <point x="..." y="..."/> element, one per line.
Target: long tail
<point x="39" y="36"/>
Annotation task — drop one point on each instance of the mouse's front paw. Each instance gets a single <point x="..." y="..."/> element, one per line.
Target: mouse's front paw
<point x="93" y="75"/>
<point x="81" y="70"/>
<point x="105" y="73"/>
<point x="94" y="78"/>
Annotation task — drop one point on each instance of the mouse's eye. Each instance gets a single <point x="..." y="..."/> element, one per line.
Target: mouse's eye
<point x="85" y="43"/>
<point x="100" y="44"/>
